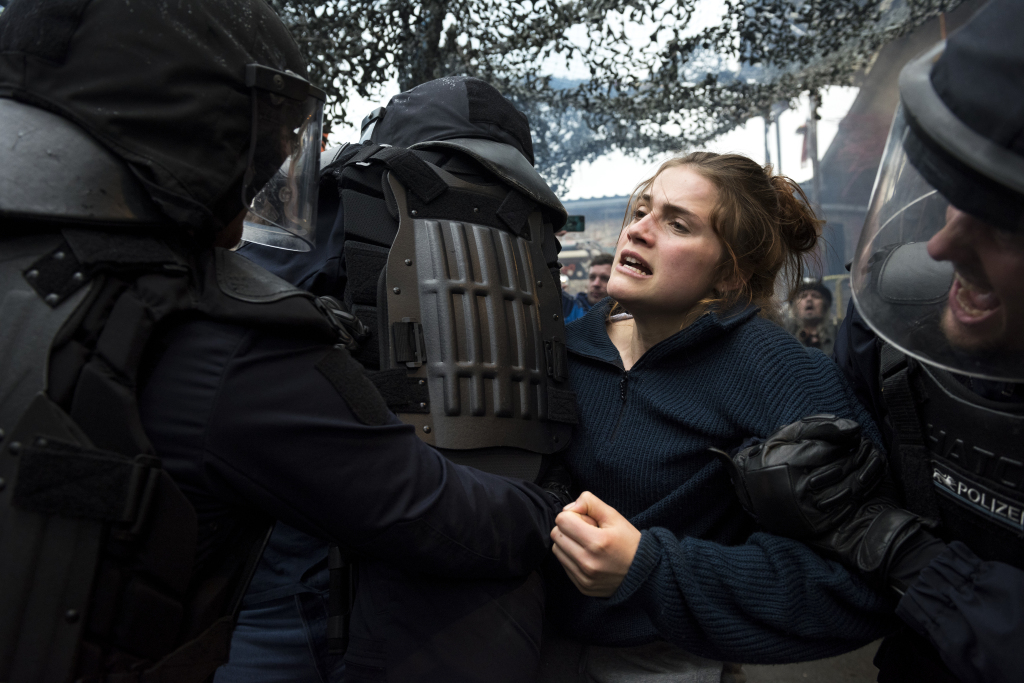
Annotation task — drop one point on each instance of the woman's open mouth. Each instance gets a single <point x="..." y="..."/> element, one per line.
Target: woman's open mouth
<point x="631" y="264"/>
<point x="971" y="304"/>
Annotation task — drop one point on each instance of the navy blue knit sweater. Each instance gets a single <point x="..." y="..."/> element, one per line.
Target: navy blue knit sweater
<point x="703" y="578"/>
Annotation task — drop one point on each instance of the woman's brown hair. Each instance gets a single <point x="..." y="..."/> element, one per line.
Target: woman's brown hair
<point x="763" y="221"/>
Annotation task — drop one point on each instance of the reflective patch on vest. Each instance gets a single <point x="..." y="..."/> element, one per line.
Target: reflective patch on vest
<point x="977" y="497"/>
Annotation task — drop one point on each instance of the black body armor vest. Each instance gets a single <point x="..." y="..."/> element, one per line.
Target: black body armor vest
<point x="98" y="573"/>
<point x="960" y="457"/>
<point x="449" y="250"/>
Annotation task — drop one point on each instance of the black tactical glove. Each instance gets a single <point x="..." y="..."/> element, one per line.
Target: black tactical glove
<point x="888" y="546"/>
<point x="556" y="482"/>
<point x="807" y="477"/>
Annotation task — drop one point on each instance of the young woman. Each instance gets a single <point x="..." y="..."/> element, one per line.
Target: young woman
<point x="667" y="566"/>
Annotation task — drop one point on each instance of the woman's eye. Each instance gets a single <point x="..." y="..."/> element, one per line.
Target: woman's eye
<point x="679" y="227"/>
<point x="638" y="214"/>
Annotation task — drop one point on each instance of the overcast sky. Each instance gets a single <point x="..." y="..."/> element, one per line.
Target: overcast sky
<point x="616" y="174"/>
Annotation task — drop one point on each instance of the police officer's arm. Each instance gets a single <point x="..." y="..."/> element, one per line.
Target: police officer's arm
<point x="271" y="431"/>
<point x="969" y="609"/>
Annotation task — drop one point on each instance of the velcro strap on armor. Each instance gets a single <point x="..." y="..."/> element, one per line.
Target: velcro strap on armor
<point x="415" y="174"/>
<point x="898" y="398"/>
<point x="69" y="480"/>
<point x="558" y="360"/>
<point x="347" y="378"/>
<point x="363" y="265"/>
<point x="93" y="247"/>
<point x="910" y="458"/>
<point x="515" y="210"/>
<point x="562" y="406"/>
<point x="367" y="219"/>
<point x="402" y="393"/>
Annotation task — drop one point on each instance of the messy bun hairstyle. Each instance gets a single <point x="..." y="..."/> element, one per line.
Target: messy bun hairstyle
<point x="763" y="221"/>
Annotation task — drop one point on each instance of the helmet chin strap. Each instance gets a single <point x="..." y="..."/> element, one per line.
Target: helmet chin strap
<point x="250" y="168"/>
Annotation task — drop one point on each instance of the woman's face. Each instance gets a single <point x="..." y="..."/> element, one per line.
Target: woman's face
<point x="666" y="258"/>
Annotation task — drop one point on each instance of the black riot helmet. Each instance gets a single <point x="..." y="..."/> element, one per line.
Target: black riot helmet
<point x="465" y="115"/>
<point x="934" y="271"/>
<point x="189" y="100"/>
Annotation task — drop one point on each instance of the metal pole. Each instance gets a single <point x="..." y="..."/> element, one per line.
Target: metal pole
<point x="778" y="139"/>
<point x="812" y="151"/>
<point x="767" y="151"/>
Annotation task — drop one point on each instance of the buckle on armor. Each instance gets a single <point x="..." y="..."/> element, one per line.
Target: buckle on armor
<point x="558" y="360"/>
<point x="66" y="479"/>
<point x="409" y="344"/>
<point x="142" y="485"/>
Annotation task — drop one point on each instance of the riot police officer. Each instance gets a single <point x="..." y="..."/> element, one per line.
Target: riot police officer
<point x="463" y="130"/>
<point x="935" y="348"/>
<point x="163" y="400"/>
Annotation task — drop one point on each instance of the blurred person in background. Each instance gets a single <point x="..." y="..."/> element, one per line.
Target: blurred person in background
<point x="575" y="307"/>
<point x="809" y="320"/>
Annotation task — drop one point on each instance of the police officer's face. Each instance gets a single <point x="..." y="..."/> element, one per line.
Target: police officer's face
<point x="986" y="302"/>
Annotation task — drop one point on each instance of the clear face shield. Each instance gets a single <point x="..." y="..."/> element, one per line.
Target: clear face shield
<point x="280" y="185"/>
<point x="926" y="307"/>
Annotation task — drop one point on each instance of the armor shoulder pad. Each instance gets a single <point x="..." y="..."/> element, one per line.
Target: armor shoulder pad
<point x="53" y="169"/>
<point x="241" y="279"/>
<point x="510" y="166"/>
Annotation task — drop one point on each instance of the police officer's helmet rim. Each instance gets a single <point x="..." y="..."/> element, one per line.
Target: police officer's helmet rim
<point x="930" y="117"/>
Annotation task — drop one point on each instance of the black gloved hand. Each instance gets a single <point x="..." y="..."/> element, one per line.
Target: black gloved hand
<point x="556" y="482"/>
<point x="807" y="477"/>
<point x="888" y="546"/>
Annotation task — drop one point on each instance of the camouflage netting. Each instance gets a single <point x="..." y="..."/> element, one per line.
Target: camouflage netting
<point x="655" y="80"/>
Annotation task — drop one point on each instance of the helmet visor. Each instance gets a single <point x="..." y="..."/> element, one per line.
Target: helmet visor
<point x="911" y="300"/>
<point x="281" y="187"/>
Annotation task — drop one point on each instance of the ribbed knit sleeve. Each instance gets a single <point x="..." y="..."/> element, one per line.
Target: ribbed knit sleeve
<point x="703" y="578"/>
<point x="770" y="600"/>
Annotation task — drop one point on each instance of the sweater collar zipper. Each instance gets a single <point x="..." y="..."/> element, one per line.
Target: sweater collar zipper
<point x="623" y="389"/>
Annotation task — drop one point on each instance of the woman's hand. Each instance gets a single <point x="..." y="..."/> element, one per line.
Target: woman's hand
<point x="595" y="545"/>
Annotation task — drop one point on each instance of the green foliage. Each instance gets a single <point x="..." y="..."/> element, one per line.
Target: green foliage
<point x="654" y="82"/>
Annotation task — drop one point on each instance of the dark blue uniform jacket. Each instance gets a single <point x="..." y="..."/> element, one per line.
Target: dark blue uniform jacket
<point x="971" y="610"/>
<point x="246" y="424"/>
